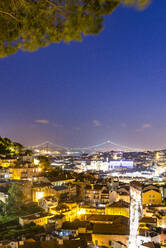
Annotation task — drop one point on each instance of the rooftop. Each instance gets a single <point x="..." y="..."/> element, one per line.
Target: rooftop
<point x="35" y="216"/>
<point x="149" y="244"/>
<point x="148" y="220"/>
<point x="76" y="224"/>
<point x="111" y="218"/>
<point x="120" y="204"/>
<point x="41" y="184"/>
<point x="111" y="229"/>
<point x="136" y="184"/>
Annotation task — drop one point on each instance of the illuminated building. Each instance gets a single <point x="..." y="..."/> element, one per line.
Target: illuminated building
<point x="144" y="222"/>
<point x="157" y="156"/>
<point x="37" y="218"/>
<point x="110" y="165"/>
<point x="97" y="194"/>
<point x="106" y="219"/>
<point x="120" y="193"/>
<point x="118" y="208"/>
<point x="7" y="162"/>
<point x="98" y="166"/>
<point x="159" y="169"/>
<point x="160" y="156"/>
<point x="120" y="164"/>
<point x="39" y="195"/>
<point x="36" y="161"/>
<point x="161" y="220"/>
<point x="90" y="210"/>
<point x="123" y="193"/>
<point x="41" y="190"/>
<point x="158" y="212"/>
<point x="135" y="212"/>
<point x="56" y="182"/>
<point x="151" y="195"/>
<point x="71" y="213"/>
<point x="108" y="235"/>
<point x="81" y="211"/>
<point x="26" y="172"/>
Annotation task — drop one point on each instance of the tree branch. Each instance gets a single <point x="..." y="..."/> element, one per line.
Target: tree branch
<point x="8" y="14"/>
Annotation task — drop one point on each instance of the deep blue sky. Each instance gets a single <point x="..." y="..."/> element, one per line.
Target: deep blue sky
<point x="110" y="86"/>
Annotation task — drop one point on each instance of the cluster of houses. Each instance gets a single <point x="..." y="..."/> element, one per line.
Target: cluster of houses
<point x="91" y="212"/>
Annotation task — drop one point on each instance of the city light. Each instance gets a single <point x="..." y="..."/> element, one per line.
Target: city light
<point x="82" y="126"/>
<point x="36" y="161"/>
<point x="39" y="195"/>
<point x="81" y="211"/>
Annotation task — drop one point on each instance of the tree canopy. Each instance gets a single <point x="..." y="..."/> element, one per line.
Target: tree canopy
<point x="30" y="24"/>
<point x="16" y="195"/>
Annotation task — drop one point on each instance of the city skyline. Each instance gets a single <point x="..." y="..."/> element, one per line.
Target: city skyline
<point x="109" y="86"/>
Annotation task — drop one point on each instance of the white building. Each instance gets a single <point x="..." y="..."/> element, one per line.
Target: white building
<point x="109" y="165"/>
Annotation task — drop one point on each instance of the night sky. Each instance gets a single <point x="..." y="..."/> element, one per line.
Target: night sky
<point x="109" y="86"/>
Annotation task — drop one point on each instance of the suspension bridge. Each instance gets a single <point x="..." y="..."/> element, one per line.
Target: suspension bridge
<point x="106" y="145"/>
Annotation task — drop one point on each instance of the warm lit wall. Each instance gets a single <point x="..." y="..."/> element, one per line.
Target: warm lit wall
<point x="19" y="173"/>
<point x="125" y="198"/>
<point x="161" y="222"/>
<point x="53" y="211"/>
<point x="15" y="173"/>
<point x="7" y="163"/>
<point x="151" y="197"/>
<point x="40" y="192"/>
<point x="117" y="211"/>
<point x="92" y="210"/>
<point x="72" y="214"/>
